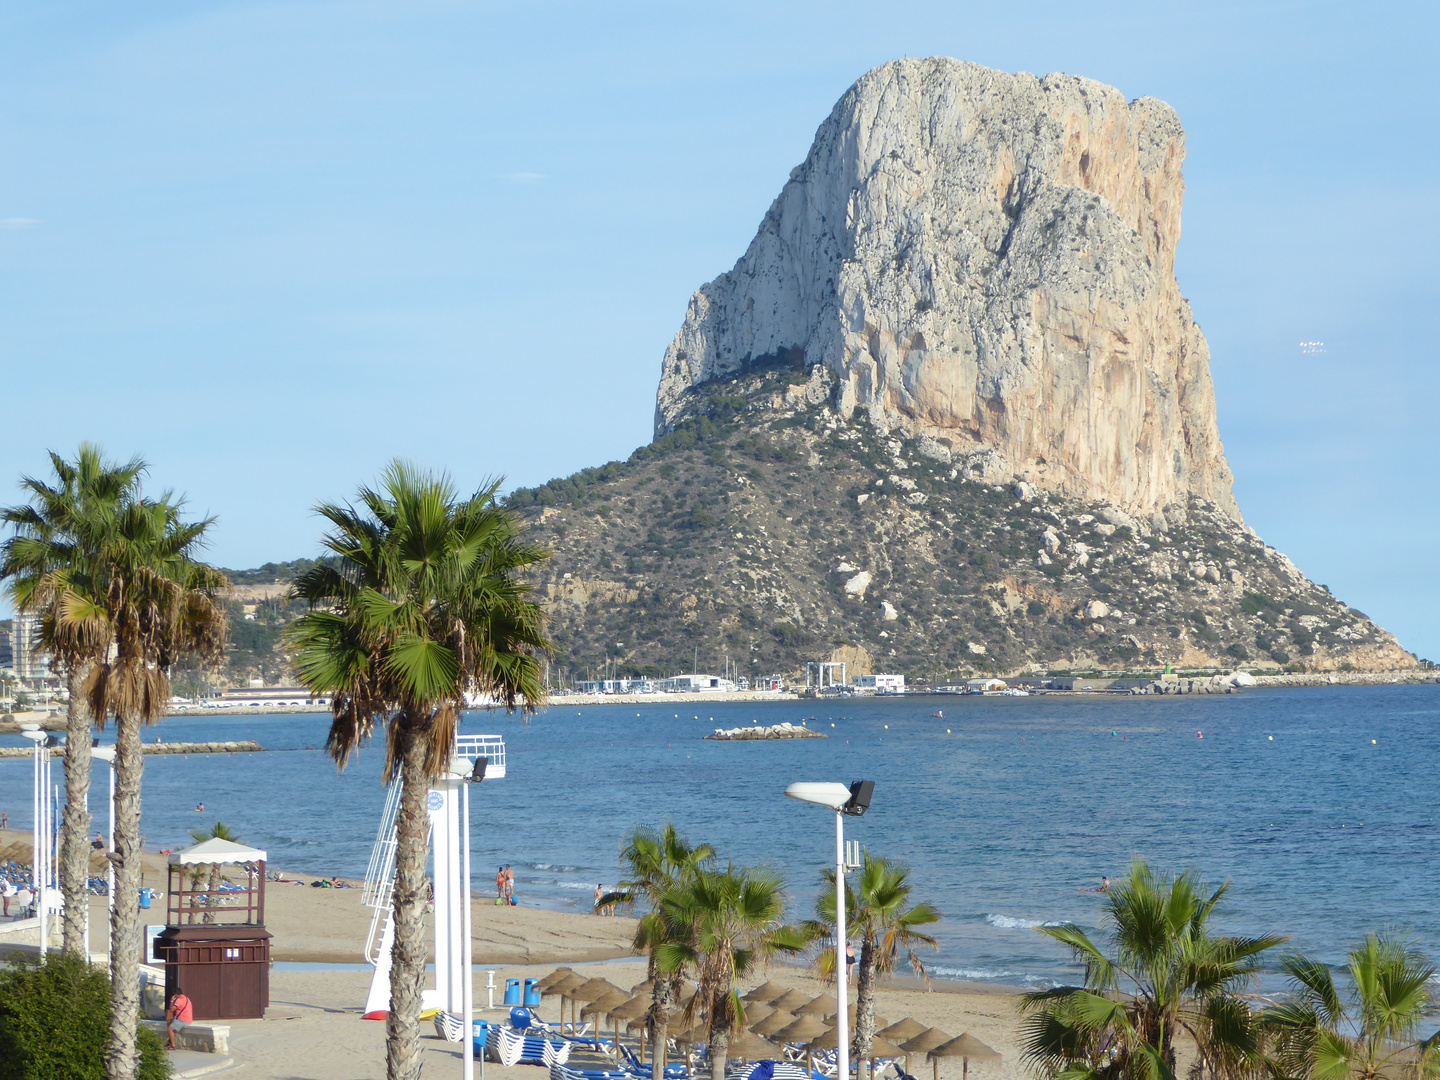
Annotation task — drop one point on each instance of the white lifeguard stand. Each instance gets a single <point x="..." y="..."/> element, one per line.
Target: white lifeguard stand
<point x="452" y="890"/>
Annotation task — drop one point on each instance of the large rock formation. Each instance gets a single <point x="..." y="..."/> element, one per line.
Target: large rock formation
<point x="987" y="263"/>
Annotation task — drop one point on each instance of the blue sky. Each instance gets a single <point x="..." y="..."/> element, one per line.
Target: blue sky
<point x="270" y="246"/>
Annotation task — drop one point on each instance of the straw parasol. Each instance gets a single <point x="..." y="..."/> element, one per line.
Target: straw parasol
<point x="767" y="993"/>
<point x="923" y="1043"/>
<point x="595" y="989"/>
<point x="901" y="1030"/>
<point x="607" y="1005"/>
<point x="755" y="1011"/>
<point x="747" y="1046"/>
<point x="802" y="1030"/>
<point x="967" y="1048"/>
<point x="820" y="1006"/>
<point x="565" y="988"/>
<point x="776" y="1021"/>
<point x="558" y="975"/>
<point x="791" y="1000"/>
<point x="851" y="1014"/>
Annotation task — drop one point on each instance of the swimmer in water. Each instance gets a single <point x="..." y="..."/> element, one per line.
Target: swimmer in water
<point x="200" y="808"/>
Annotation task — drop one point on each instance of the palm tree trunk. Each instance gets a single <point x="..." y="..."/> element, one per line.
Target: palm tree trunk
<point x="662" y="997"/>
<point x="213" y="886"/>
<point x="865" y="1005"/>
<point x="719" y="1033"/>
<point x="121" y="1055"/>
<point x="75" y="823"/>
<point x="407" y="965"/>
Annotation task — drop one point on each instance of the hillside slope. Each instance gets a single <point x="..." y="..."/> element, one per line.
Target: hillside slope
<point x="767" y="529"/>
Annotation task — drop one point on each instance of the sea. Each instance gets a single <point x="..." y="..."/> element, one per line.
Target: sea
<point x="1316" y="805"/>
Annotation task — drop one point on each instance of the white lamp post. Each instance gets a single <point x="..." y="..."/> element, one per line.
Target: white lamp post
<point x="468" y="772"/>
<point x="107" y="755"/>
<point x="40" y="836"/>
<point x="853" y="800"/>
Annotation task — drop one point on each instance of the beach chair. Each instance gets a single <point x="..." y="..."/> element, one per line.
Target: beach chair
<point x="674" y="1070"/>
<point x="555" y="1053"/>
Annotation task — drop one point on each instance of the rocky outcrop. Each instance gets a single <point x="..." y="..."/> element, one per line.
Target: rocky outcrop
<point x="986" y="262"/>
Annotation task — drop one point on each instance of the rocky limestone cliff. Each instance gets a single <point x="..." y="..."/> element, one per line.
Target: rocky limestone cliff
<point x="986" y="261"/>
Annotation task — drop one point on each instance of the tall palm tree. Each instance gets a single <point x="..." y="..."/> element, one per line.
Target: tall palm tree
<point x="218" y="831"/>
<point x="879" y="912"/>
<point x="154" y="604"/>
<point x="721" y="925"/>
<point x="656" y="863"/>
<point x="421" y="605"/>
<point x="1166" y="978"/>
<point x="1318" y="1035"/>
<point x="48" y="565"/>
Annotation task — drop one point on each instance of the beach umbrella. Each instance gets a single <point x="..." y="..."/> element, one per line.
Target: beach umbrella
<point x="747" y="1046"/>
<point x="923" y="1043"/>
<point x="967" y="1048"/>
<point x="791" y="1000"/>
<point x="821" y="1006"/>
<point x="767" y="993"/>
<point x="564" y="988"/>
<point x="604" y="1005"/>
<point x="881" y="1047"/>
<point x="773" y="1023"/>
<point x="637" y="1008"/>
<point x="646" y="987"/>
<point x="802" y="1030"/>
<point x="755" y="1011"/>
<point x="903" y="1029"/>
<point x="558" y="975"/>
<point x="595" y="989"/>
<point x="852" y="1012"/>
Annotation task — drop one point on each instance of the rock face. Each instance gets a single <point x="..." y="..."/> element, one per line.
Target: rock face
<point x="986" y="262"/>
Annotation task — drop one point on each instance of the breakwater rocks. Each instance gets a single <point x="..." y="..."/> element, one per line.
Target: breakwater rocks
<point x="1403" y="677"/>
<point x="247" y="747"/>
<point x="774" y="731"/>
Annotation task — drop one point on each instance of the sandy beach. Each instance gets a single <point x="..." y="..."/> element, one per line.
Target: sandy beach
<point x="313" y="1028"/>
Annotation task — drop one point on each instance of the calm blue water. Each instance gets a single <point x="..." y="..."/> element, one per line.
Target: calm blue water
<point x="1002" y="817"/>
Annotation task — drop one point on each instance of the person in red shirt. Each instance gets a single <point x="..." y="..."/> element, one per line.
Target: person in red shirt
<point x="180" y="1013"/>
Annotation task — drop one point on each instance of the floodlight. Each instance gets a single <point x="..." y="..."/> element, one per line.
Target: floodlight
<point x="835" y="796"/>
<point x="859" y="801"/>
<point x="478" y="775"/>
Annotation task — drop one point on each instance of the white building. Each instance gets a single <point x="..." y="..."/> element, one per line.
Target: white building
<point x="881" y="684"/>
<point x="985" y="686"/>
<point x="680" y="684"/>
<point x="32" y="664"/>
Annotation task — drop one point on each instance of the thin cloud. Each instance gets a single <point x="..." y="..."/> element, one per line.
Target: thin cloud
<point x="19" y="222"/>
<point x="524" y="177"/>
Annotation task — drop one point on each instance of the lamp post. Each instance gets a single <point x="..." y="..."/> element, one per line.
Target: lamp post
<point x="468" y="772"/>
<point x="40" y="843"/>
<point x="107" y="755"/>
<point x="853" y="800"/>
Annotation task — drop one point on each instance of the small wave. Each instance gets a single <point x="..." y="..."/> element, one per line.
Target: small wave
<point x="1005" y="922"/>
<point x="989" y="975"/>
<point x="573" y="885"/>
<point x="559" y="868"/>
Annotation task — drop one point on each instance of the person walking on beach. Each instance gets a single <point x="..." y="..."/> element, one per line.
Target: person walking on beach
<point x="599" y="895"/>
<point x="509" y="885"/>
<point x="4" y="820"/>
<point x="849" y="962"/>
<point x="180" y="1013"/>
<point x="500" y="883"/>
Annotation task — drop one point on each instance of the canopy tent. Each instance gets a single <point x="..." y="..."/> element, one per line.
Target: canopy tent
<point x="217" y="851"/>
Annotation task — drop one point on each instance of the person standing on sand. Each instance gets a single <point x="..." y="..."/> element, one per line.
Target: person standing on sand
<point x="500" y="883"/>
<point x="849" y="962"/>
<point x="599" y="895"/>
<point x="509" y="885"/>
<point x="4" y="820"/>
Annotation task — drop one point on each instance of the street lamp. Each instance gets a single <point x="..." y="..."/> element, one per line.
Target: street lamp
<point x="40" y="847"/>
<point x="853" y="800"/>
<point x="468" y="772"/>
<point x="107" y="755"/>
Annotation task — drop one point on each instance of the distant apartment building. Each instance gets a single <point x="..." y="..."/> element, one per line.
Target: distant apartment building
<point x="31" y="663"/>
<point x="687" y="683"/>
<point x="7" y="650"/>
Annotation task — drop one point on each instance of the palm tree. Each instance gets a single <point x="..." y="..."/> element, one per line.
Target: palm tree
<point x="420" y="605"/>
<point x="1167" y="977"/>
<point x="1316" y="1035"/>
<point x="655" y="864"/>
<point x="880" y="913"/>
<point x="218" y="831"/>
<point x="48" y="565"/>
<point x="722" y="925"/>
<point x="153" y="604"/>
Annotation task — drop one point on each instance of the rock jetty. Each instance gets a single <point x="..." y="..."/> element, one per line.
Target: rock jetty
<point x="246" y="747"/>
<point x="756" y="733"/>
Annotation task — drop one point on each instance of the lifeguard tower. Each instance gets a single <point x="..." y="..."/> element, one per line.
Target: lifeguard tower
<point x="475" y="757"/>
<point x="215" y="946"/>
